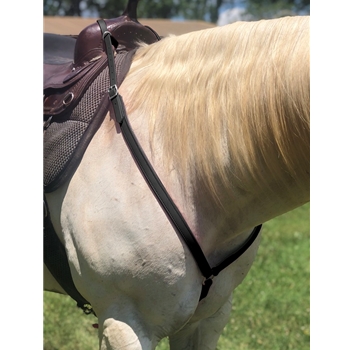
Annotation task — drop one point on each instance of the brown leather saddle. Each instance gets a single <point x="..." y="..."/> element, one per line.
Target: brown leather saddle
<point x="76" y="86"/>
<point x="71" y="63"/>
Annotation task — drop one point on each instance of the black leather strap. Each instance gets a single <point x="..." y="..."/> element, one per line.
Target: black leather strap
<point x="147" y="170"/>
<point x="235" y="255"/>
<point x="110" y="57"/>
<point x="55" y="259"/>
<point x="158" y="188"/>
<point x="160" y="192"/>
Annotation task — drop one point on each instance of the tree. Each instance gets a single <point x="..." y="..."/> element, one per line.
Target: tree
<point x="106" y="8"/>
<point x="194" y="9"/>
<point x="62" y="7"/>
<point x="264" y="9"/>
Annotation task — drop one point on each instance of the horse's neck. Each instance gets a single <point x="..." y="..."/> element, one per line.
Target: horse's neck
<point x="222" y="223"/>
<point x="231" y="219"/>
<point x="259" y="146"/>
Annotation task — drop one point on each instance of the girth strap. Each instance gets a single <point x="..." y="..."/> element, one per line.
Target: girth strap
<point x="56" y="261"/>
<point x="155" y="183"/>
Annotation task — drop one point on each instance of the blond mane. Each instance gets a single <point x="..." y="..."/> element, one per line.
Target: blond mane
<point x="231" y="101"/>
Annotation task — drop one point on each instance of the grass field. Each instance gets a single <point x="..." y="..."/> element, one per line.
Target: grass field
<point x="270" y="308"/>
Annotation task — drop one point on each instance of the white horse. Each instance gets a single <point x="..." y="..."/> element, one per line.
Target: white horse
<point x="223" y="116"/>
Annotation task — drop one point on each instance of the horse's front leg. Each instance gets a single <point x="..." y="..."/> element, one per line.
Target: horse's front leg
<point x="117" y="335"/>
<point x="122" y="328"/>
<point x="203" y="334"/>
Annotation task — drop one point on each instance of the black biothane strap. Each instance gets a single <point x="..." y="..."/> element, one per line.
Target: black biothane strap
<point x="155" y="183"/>
<point x="55" y="259"/>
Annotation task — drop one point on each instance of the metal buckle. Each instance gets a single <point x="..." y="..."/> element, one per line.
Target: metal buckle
<point x="107" y="32"/>
<point x="68" y="99"/>
<point x="113" y="91"/>
<point x="206" y="280"/>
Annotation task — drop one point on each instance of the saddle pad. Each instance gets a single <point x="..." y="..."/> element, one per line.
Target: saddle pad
<point x="66" y="137"/>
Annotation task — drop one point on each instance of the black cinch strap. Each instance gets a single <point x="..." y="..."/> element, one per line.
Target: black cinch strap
<point x="56" y="261"/>
<point x="155" y="183"/>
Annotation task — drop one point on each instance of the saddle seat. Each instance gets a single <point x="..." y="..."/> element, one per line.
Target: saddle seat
<point x="71" y="63"/>
<point x="59" y="49"/>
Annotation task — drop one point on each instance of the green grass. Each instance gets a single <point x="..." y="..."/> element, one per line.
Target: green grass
<point x="270" y="308"/>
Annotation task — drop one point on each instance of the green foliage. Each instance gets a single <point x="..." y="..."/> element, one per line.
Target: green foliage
<point x="296" y="5"/>
<point x="66" y="327"/>
<point x="107" y="8"/>
<point x="270" y="308"/>
<point x="190" y="10"/>
<point x="62" y="8"/>
<point x="158" y="9"/>
<point x="267" y="9"/>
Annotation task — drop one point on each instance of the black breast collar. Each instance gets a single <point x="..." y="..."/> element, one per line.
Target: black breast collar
<point x="155" y="183"/>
